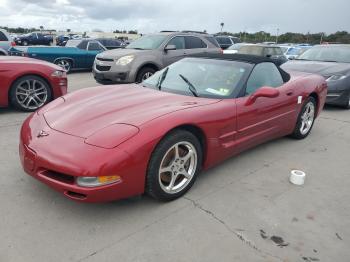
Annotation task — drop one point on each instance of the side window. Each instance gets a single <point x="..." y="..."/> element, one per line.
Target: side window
<point x="194" y="42"/>
<point x="212" y="40"/>
<point x="94" y="46"/>
<point x="278" y="51"/>
<point x="83" y="45"/>
<point x="263" y="74"/>
<point x="3" y="37"/>
<point x="178" y="41"/>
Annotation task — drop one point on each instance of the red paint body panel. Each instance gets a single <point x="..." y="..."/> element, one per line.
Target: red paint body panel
<point x="229" y="127"/>
<point x="12" y="68"/>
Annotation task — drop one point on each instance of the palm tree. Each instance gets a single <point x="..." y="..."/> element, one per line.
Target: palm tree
<point x="222" y="26"/>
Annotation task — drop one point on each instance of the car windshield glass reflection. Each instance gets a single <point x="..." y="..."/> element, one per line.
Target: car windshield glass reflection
<point x="330" y="53"/>
<point x="147" y="42"/>
<point x="200" y="77"/>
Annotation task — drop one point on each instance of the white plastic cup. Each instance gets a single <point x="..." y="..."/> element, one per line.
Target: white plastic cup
<point x="297" y="177"/>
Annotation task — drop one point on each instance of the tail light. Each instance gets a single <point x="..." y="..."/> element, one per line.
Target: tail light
<point x="13" y="43"/>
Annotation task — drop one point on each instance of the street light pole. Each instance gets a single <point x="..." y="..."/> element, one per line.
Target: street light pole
<point x="277" y="35"/>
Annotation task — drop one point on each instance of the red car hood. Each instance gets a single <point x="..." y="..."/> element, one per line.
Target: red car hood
<point x="86" y="111"/>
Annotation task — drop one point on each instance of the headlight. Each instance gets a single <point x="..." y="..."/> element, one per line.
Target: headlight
<point x="335" y="77"/>
<point x="58" y="73"/>
<point x="125" y="60"/>
<point x="93" y="181"/>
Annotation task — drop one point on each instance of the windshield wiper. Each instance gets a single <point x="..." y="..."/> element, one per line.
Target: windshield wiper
<point x="303" y="59"/>
<point x="162" y="78"/>
<point x="190" y="86"/>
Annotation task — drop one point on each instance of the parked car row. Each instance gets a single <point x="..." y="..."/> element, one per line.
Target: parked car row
<point x="33" y="39"/>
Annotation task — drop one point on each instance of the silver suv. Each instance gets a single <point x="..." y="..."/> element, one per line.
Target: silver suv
<point x="148" y="54"/>
<point x="5" y="42"/>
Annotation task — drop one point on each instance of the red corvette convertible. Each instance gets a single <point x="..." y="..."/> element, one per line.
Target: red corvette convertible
<point x="28" y="84"/>
<point x="112" y="142"/>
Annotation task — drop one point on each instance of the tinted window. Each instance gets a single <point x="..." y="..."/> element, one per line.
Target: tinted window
<point x="93" y="46"/>
<point x="194" y="42"/>
<point x="224" y="40"/>
<point x="212" y="40"/>
<point x="178" y="41"/>
<point x="264" y="74"/>
<point x="3" y="37"/>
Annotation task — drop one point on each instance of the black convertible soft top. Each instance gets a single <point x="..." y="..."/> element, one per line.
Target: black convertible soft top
<point x="252" y="59"/>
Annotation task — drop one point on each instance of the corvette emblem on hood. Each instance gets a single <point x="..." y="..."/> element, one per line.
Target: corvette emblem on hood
<point x="42" y="133"/>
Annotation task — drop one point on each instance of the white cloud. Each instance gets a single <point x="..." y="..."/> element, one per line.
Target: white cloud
<point x="154" y="15"/>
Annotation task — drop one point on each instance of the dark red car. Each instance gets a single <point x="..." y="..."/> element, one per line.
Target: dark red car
<point x="113" y="142"/>
<point x="28" y="84"/>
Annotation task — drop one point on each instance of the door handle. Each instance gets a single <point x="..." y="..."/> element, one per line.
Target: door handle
<point x="289" y="93"/>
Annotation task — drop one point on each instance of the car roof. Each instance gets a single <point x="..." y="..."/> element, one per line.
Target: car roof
<point x="251" y="59"/>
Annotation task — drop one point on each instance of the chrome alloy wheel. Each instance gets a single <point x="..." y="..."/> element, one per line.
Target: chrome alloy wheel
<point x="65" y="64"/>
<point x="177" y="167"/>
<point x="147" y="75"/>
<point x="31" y="94"/>
<point x="307" y="118"/>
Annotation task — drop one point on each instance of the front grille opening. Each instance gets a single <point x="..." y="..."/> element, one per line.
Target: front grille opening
<point x="75" y="195"/>
<point x="102" y="68"/>
<point x="59" y="176"/>
<point x="104" y="59"/>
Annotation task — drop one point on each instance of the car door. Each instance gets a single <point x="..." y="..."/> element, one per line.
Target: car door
<point x="93" y="49"/>
<point x="195" y="45"/>
<point x="266" y="118"/>
<point x="171" y="56"/>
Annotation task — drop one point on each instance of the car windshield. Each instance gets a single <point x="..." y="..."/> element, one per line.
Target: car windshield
<point x="340" y="54"/>
<point x="147" y="42"/>
<point x="73" y="43"/>
<point x="201" y="77"/>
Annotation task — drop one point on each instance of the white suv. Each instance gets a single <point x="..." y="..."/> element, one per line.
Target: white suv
<point x="5" y="42"/>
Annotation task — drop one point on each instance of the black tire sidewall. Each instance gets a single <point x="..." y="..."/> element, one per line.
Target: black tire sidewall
<point x="142" y="72"/>
<point x="13" y="100"/>
<point x="296" y="133"/>
<point x="153" y="187"/>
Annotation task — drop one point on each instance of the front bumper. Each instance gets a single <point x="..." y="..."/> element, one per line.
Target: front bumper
<point x="58" y="159"/>
<point x="110" y="73"/>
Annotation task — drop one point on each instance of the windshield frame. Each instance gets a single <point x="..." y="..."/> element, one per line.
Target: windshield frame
<point x="186" y="92"/>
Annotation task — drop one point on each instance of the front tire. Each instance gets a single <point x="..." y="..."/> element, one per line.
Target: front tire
<point x="144" y="73"/>
<point x="347" y="106"/>
<point x="306" y="119"/>
<point x="29" y="93"/>
<point x="174" y="166"/>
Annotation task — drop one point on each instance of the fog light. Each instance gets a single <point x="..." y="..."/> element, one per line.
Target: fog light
<point x="93" y="181"/>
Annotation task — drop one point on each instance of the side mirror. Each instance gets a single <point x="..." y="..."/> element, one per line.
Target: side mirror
<point x="264" y="91"/>
<point x="170" y="47"/>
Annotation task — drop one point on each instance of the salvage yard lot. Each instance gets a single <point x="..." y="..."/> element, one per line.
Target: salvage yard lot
<point x="232" y="213"/>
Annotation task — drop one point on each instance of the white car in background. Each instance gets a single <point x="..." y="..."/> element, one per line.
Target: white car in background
<point x="292" y="52"/>
<point x="233" y="49"/>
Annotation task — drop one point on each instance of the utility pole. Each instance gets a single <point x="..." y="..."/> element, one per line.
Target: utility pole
<point x="277" y="35"/>
<point x="321" y="38"/>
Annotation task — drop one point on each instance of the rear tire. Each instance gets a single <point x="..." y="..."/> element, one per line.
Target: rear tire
<point x="174" y="166"/>
<point x="306" y="119"/>
<point x="144" y="73"/>
<point x="29" y="93"/>
<point x="64" y="64"/>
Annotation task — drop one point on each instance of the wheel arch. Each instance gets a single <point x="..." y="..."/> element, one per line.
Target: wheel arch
<point x="147" y="64"/>
<point x="24" y="75"/>
<point x="197" y="132"/>
<point x="317" y="99"/>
